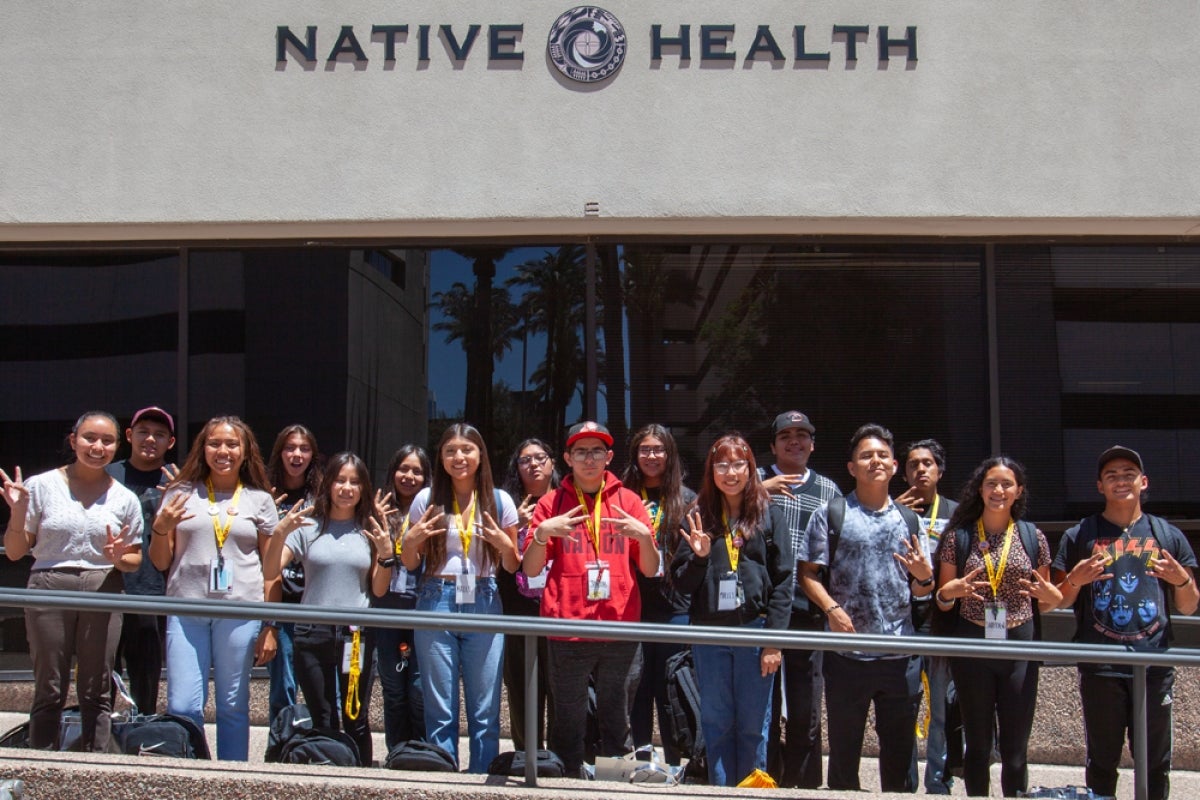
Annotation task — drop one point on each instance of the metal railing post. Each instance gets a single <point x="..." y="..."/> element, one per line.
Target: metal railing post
<point x="1141" y="773"/>
<point x="532" y="717"/>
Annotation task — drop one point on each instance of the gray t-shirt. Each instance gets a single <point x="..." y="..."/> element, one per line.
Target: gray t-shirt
<point x="69" y="535"/>
<point x="196" y="543"/>
<point x="866" y="580"/>
<point x="337" y="562"/>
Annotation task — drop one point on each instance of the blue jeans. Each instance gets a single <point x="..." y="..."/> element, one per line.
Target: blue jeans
<point x="937" y="669"/>
<point x="227" y="647"/>
<point x="282" y="671"/>
<point x="735" y="709"/>
<point x="477" y="657"/>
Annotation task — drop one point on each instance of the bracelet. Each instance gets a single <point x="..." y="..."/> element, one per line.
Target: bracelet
<point x="833" y="607"/>
<point x="941" y="601"/>
<point x="536" y="540"/>
<point x="1184" y="585"/>
<point x="156" y="531"/>
<point x="1073" y="586"/>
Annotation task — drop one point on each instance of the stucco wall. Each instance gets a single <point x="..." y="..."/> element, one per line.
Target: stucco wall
<point x="158" y="120"/>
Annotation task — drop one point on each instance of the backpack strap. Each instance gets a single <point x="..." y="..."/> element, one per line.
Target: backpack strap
<point x="910" y="519"/>
<point x="1029" y="540"/>
<point x="835" y="515"/>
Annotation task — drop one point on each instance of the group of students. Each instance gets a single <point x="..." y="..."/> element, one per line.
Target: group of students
<point x="773" y="548"/>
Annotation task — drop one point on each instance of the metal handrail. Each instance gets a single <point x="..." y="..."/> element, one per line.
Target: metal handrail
<point x="533" y="627"/>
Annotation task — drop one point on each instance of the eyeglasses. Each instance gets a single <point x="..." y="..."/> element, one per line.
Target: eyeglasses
<point x="587" y="456"/>
<point x="726" y="467"/>
<point x="652" y="451"/>
<point x="539" y="459"/>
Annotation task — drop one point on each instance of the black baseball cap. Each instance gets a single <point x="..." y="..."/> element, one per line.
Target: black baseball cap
<point x="1117" y="451"/>
<point x="792" y="419"/>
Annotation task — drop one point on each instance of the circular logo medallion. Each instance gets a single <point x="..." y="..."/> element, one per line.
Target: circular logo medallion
<point x="587" y="44"/>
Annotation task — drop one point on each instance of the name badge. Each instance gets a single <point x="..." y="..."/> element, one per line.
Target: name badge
<point x="599" y="582"/>
<point x="538" y="581"/>
<point x="464" y="589"/>
<point x="995" y="621"/>
<point x="348" y="651"/>
<point x="400" y="580"/>
<point x="729" y="593"/>
<point x="220" y="576"/>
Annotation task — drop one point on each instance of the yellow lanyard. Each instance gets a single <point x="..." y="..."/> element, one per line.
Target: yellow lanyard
<point x="353" y="701"/>
<point x="933" y="534"/>
<point x="399" y="543"/>
<point x="734" y="547"/>
<point x="219" y="530"/>
<point x="464" y="522"/>
<point x="593" y="522"/>
<point x="656" y="520"/>
<point x="995" y="572"/>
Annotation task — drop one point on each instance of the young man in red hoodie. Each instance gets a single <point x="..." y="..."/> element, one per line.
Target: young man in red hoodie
<point x="593" y="533"/>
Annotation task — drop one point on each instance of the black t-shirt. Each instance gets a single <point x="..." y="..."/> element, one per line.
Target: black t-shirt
<point x="146" y="580"/>
<point x="1131" y="608"/>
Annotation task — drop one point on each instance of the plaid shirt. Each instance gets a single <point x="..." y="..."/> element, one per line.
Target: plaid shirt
<point x="814" y="492"/>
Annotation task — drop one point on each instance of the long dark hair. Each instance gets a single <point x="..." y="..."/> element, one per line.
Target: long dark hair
<point x="441" y="492"/>
<point x="671" y="490"/>
<point x="709" y="500"/>
<point x="512" y="478"/>
<point x="366" y="500"/>
<point x="970" y="504"/>
<point x="312" y="473"/>
<point x="397" y="458"/>
<point x="252" y="473"/>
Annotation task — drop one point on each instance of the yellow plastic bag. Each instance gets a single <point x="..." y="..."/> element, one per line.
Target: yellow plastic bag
<point x="758" y="780"/>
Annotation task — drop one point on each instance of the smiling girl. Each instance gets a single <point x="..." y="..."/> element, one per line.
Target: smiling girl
<point x="341" y="547"/>
<point x="79" y="523"/>
<point x="210" y="534"/>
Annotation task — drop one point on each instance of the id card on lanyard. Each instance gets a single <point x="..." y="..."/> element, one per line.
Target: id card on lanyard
<point x="995" y="614"/>
<point x="599" y="578"/>
<point x="220" y="572"/>
<point x="464" y="586"/>
<point x="730" y="594"/>
<point x="400" y="582"/>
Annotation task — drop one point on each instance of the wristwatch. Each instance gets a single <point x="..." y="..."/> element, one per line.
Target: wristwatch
<point x="927" y="582"/>
<point x="390" y="561"/>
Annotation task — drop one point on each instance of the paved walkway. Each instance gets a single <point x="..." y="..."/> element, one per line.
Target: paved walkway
<point x="69" y="776"/>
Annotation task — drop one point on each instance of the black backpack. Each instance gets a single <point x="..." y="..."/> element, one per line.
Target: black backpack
<point x="134" y="734"/>
<point x="683" y="697"/>
<point x="943" y="623"/>
<point x="159" y="735"/>
<point x="512" y="764"/>
<point x="294" y="740"/>
<point x="420" y="756"/>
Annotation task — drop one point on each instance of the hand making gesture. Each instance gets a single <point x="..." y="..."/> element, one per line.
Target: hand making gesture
<point x="1042" y="590"/>
<point x="525" y="510"/>
<point x="628" y="525"/>
<point x="172" y="512"/>
<point x="117" y="546"/>
<point x="913" y="559"/>
<point x="695" y="536"/>
<point x="913" y="500"/>
<point x="563" y="526"/>
<point x="969" y="585"/>
<point x="16" y="493"/>
<point x="431" y="523"/>
<point x="296" y="516"/>
<point x="377" y="534"/>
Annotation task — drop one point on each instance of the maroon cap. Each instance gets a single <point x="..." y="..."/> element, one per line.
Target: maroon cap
<point x="155" y="413"/>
